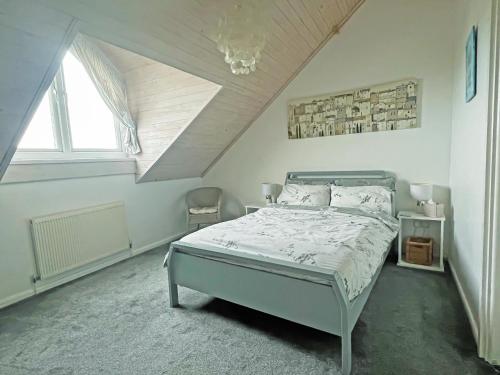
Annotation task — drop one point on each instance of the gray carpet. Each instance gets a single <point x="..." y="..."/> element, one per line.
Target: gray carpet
<point x="116" y="321"/>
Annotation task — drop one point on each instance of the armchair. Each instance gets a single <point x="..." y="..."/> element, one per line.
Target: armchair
<point x="203" y="206"/>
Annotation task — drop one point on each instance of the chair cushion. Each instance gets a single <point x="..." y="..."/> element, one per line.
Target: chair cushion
<point x="203" y="210"/>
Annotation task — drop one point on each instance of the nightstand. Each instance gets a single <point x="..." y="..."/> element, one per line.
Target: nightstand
<point x="416" y="224"/>
<point x="252" y="207"/>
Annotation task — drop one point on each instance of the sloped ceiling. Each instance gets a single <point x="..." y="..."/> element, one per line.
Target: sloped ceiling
<point x="297" y="29"/>
<point x="177" y="33"/>
<point x="163" y="100"/>
<point x="30" y="40"/>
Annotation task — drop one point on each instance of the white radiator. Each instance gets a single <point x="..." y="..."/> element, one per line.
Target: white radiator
<point x="67" y="240"/>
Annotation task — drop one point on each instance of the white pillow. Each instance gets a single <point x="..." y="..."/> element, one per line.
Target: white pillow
<point x="305" y="195"/>
<point x="375" y="198"/>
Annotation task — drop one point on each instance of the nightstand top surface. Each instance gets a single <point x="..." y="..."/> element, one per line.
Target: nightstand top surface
<point x="412" y="215"/>
<point x="256" y="205"/>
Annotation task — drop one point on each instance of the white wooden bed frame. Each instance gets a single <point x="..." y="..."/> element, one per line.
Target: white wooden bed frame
<point x="284" y="291"/>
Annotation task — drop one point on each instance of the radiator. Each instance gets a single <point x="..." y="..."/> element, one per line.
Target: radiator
<point x="67" y="240"/>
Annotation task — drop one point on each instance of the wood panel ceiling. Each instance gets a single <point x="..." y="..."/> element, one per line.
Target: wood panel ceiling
<point x="177" y="33"/>
<point x="296" y="30"/>
<point x="163" y="100"/>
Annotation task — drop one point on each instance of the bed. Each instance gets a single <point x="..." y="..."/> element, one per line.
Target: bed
<point x="312" y="265"/>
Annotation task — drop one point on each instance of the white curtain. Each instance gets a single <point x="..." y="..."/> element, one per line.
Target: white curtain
<point x="110" y="85"/>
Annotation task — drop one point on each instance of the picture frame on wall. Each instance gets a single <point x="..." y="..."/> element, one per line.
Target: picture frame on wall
<point x="471" y="65"/>
<point x="384" y="107"/>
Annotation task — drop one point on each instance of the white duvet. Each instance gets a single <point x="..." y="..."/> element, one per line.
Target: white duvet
<point x="352" y="243"/>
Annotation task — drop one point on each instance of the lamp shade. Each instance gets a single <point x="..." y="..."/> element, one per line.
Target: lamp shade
<point x="268" y="188"/>
<point x="421" y="192"/>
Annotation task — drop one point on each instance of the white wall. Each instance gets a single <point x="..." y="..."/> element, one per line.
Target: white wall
<point x="155" y="211"/>
<point x="386" y="40"/>
<point x="389" y="40"/>
<point x="468" y="152"/>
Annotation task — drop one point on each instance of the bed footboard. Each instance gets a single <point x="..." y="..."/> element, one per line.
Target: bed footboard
<point x="320" y="306"/>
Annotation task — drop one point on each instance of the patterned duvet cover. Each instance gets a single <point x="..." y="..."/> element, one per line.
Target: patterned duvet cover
<point x="353" y="243"/>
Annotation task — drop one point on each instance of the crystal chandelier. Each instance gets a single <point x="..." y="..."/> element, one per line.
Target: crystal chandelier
<point x="240" y="35"/>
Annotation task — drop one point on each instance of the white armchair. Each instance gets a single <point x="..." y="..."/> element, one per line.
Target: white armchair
<point x="203" y="206"/>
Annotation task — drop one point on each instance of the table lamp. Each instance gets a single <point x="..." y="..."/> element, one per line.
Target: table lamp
<point x="421" y="192"/>
<point x="268" y="190"/>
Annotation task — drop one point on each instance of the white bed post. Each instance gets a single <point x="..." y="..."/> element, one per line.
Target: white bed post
<point x="346" y="350"/>
<point x="341" y="296"/>
<point x="172" y="286"/>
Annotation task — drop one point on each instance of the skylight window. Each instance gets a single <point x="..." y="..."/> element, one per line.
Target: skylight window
<point x="72" y="117"/>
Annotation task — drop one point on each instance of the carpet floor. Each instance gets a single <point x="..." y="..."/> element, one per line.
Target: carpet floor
<point x="117" y="321"/>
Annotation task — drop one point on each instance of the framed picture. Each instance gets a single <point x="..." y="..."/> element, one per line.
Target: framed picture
<point x="385" y="107"/>
<point x="471" y="65"/>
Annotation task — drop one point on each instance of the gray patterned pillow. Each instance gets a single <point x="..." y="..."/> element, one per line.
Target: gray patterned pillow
<point x="374" y="198"/>
<point x="305" y="195"/>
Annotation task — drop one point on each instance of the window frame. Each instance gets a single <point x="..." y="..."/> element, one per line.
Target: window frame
<point x="55" y="126"/>
<point x="61" y="126"/>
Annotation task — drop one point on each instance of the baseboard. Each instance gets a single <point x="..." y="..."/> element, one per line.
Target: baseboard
<point x="156" y="244"/>
<point x="16" y="298"/>
<point x="44" y="285"/>
<point x="66" y="277"/>
<point x="472" y="321"/>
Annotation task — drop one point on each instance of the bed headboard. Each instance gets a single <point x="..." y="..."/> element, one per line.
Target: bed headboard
<point x="346" y="178"/>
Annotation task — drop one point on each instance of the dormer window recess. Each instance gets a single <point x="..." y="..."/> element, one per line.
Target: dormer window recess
<point x="84" y="113"/>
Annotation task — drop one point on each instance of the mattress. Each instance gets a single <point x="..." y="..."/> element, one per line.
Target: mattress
<point x="349" y="243"/>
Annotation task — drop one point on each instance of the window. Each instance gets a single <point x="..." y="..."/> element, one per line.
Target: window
<point x="40" y="133"/>
<point x="72" y="121"/>
<point x="91" y="122"/>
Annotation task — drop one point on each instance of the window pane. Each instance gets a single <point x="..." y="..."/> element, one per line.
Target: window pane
<point x="40" y="131"/>
<point x="91" y="122"/>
